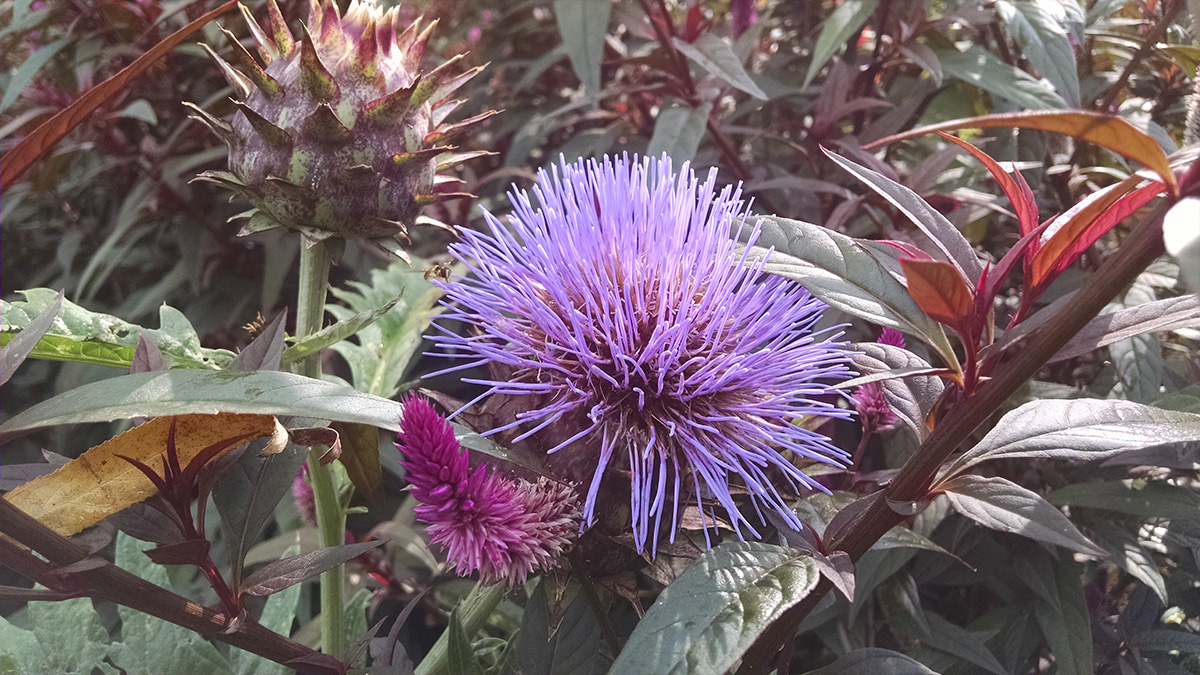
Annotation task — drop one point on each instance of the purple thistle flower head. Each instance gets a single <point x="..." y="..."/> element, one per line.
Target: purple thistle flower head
<point x="620" y="307"/>
<point x="869" y="401"/>
<point x="502" y="529"/>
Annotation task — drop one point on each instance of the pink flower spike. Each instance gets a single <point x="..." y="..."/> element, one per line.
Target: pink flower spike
<point x="503" y="529"/>
<point x="872" y="407"/>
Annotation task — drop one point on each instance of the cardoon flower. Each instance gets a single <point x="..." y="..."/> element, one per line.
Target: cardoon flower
<point x="619" y="307"/>
<point x="872" y="407"/>
<point x="501" y="528"/>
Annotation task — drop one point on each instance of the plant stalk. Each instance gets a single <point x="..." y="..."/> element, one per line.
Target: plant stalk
<point x="331" y="519"/>
<point x="916" y="477"/>
<point x="475" y="609"/>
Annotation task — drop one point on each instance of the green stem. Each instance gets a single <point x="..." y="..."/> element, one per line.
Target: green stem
<point x="475" y="610"/>
<point x="331" y="518"/>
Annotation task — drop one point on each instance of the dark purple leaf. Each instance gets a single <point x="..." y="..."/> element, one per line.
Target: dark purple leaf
<point x="190" y="552"/>
<point x="147" y="357"/>
<point x="276" y="576"/>
<point x="849" y="516"/>
<point x="317" y="664"/>
<point x="19" y="474"/>
<point x="1116" y="326"/>
<point x="144" y="522"/>
<point x="838" y="568"/>
<point x="388" y="651"/>
<point x="15" y="352"/>
<point x="89" y="563"/>
<point x="265" y="351"/>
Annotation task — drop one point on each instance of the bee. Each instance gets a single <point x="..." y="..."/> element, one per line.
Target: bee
<point x="438" y="271"/>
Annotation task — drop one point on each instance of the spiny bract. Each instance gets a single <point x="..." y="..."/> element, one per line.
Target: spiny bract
<point x="339" y="134"/>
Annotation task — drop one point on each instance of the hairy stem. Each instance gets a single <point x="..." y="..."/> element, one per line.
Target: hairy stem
<point x="475" y="608"/>
<point x="331" y="520"/>
<point x="916" y="476"/>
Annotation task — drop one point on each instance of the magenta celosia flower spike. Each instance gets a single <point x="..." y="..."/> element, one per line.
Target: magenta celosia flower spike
<point x="502" y="529"/>
<point x="617" y="298"/>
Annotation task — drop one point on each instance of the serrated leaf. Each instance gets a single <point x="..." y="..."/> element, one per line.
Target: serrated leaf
<point x="835" y="30"/>
<point x="1080" y="430"/>
<point x="44" y="649"/>
<point x="98" y="483"/>
<point x="179" y="392"/>
<point x="716" y="56"/>
<point x="143" y="637"/>
<point x="911" y="398"/>
<point x="583" y="25"/>
<point x="335" y="333"/>
<point x="873" y="662"/>
<point x="707" y="619"/>
<point x="1154" y="499"/>
<point x="1002" y="505"/>
<point x="562" y="638"/>
<point x="841" y="272"/>
<point x="952" y="246"/>
<point x="81" y="335"/>
<point x="678" y="130"/>
<point x="1044" y="43"/>
<point x="276" y="576"/>
<point x="976" y="65"/>
<point x="384" y="349"/>
<point x="15" y="351"/>
<point x="18" y="159"/>
<point x="1104" y="330"/>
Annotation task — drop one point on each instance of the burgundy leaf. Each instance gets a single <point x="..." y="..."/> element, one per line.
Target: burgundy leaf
<point x="265" y="351"/>
<point x="1017" y="190"/>
<point x="190" y="552"/>
<point x="276" y="576"/>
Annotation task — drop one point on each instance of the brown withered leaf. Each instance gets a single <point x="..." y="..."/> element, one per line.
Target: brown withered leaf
<point x="98" y="483"/>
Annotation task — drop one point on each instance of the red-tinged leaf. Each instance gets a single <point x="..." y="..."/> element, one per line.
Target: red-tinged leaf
<point x="276" y="576"/>
<point x="1009" y="261"/>
<point x="1017" y="190"/>
<point x="1107" y="131"/>
<point x="190" y="552"/>
<point x="16" y="161"/>
<point x="939" y="291"/>
<point x="1074" y="231"/>
<point x="907" y="249"/>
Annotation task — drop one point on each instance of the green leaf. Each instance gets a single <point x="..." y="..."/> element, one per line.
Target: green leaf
<point x="179" y="392"/>
<point x="24" y="75"/>
<point x="677" y="131"/>
<point x="560" y="637"/>
<point x="707" y="619"/>
<point x="1044" y="43"/>
<point x="1150" y="499"/>
<point x="81" y="335"/>
<point x="583" y="25"/>
<point x="979" y="67"/>
<point x="1068" y="631"/>
<point x="835" y="30"/>
<point x="873" y="662"/>
<point x="911" y="398"/>
<point x="1138" y="359"/>
<point x="460" y="655"/>
<point x="17" y="349"/>
<point x="716" y="56"/>
<point x="1005" y="506"/>
<point x="68" y="638"/>
<point x="1080" y="430"/>
<point x="952" y="245"/>
<point x="384" y="349"/>
<point x="840" y="271"/>
<point x="149" y="644"/>
<point x="1165" y="640"/>
<point x="335" y="333"/>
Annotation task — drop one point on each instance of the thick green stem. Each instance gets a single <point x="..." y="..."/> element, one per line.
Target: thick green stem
<point x="475" y="610"/>
<point x="331" y="518"/>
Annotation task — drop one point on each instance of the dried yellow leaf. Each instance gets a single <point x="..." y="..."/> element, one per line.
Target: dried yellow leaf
<point x="98" y="483"/>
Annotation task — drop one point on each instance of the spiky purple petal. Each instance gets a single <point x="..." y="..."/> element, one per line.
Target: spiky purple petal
<point x="621" y="301"/>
